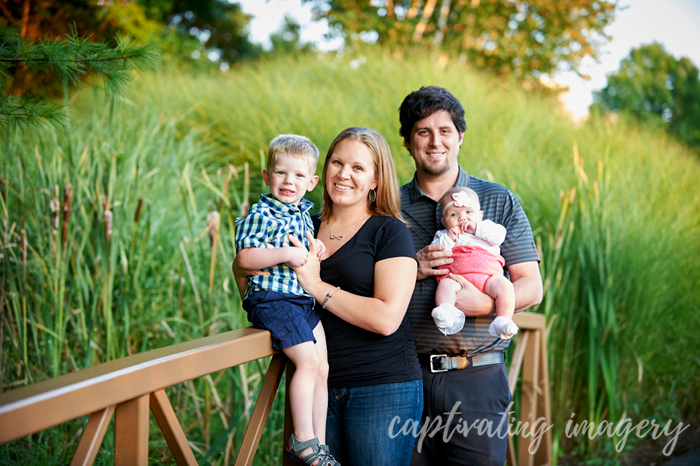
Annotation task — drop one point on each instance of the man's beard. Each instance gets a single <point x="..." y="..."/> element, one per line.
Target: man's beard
<point x="436" y="170"/>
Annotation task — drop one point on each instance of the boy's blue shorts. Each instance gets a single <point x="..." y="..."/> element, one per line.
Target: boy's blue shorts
<point x="290" y="318"/>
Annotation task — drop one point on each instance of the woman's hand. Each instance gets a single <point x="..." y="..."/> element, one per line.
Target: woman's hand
<point x="308" y="274"/>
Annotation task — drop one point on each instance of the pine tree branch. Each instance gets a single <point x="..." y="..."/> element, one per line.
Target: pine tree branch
<point x="70" y="59"/>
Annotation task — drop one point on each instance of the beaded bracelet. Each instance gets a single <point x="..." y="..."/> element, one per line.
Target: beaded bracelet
<point x="328" y="296"/>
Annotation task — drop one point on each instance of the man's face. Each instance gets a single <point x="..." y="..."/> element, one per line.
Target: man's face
<point x="434" y="144"/>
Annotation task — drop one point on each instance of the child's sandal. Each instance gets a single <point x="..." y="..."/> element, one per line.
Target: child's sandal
<point x="319" y="452"/>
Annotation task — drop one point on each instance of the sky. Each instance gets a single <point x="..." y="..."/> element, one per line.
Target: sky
<point x="674" y="23"/>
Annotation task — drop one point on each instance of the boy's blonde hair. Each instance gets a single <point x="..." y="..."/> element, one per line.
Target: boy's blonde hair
<point x="447" y="197"/>
<point x="293" y="145"/>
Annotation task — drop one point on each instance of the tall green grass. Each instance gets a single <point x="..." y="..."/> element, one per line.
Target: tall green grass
<point x="614" y="209"/>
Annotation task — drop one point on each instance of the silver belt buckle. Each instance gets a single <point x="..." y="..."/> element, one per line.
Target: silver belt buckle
<point x="431" y="363"/>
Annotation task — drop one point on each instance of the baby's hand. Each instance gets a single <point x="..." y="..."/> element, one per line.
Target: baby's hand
<point x="320" y="250"/>
<point x="296" y="257"/>
<point x="469" y="227"/>
<point x="454" y="232"/>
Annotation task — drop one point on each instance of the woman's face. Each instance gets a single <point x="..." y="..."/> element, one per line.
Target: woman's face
<point x="351" y="173"/>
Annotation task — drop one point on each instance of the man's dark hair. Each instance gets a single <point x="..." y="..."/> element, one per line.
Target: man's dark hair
<point x="426" y="101"/>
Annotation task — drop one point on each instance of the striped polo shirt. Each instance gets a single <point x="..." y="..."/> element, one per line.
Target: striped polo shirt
<point x="423" y="215"/>
<point x="271" y="222"/>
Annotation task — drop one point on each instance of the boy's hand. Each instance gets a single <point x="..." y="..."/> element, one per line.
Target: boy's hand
<point x="454" y="232"/>
<point x="320" y="249"/>
<point x="295" y="257"/>
<point x="469" y="227"/>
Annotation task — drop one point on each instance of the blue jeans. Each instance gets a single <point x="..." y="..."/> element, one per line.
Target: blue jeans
<point x="360" y="418"/>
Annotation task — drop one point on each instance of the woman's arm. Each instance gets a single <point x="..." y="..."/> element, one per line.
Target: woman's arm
<point x="394" y="280"/>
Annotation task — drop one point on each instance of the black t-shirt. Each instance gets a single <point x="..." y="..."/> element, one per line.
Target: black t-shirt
<point x="356" y="356"/>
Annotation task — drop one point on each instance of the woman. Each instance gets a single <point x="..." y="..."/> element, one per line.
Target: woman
<point x="362" y="289"/>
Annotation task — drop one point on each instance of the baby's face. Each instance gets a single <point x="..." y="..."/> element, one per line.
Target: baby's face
<point x="456" y="215"/>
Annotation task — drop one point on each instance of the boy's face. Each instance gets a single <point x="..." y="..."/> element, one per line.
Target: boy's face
<point x="455" y="215"/>
<point x="290" y="179"/>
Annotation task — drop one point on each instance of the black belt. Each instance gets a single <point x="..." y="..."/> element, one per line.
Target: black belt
<point x="444" y="363"/>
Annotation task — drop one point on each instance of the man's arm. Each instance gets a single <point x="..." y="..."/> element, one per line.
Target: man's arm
<point x="527" y="284"/>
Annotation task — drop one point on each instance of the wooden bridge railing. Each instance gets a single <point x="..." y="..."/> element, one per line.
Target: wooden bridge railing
<point x="127" y="387"/>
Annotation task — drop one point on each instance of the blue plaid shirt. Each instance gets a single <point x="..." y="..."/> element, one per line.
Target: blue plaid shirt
<point x="271" y="222"/>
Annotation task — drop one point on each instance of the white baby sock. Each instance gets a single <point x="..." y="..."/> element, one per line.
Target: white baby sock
<point x="503" y="327"/>
<point x="448" y="318"/>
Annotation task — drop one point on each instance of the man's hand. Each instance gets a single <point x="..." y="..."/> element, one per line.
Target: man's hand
<point x="431" y="256"/>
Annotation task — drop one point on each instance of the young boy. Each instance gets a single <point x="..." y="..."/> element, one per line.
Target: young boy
<point x="474" y="243"/>
<point x="276" y="302"/>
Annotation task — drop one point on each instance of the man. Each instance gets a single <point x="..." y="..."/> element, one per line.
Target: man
<point x="474" y="388"/>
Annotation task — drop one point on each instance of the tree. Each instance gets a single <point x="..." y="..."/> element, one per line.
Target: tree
<point x="221" y="26"/>
<point x="287" y="39"/>
<point x="70" y="59"/>
<point x="653" y="85"/>
<point x="184" y="29"/>
<point x="525" y="38"/>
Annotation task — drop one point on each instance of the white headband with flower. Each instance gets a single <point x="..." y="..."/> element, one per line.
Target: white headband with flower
<point x="460" y="199"/>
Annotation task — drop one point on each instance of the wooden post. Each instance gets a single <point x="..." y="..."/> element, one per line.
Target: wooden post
<point x="529" y="397"/>
<point x="288" y="422"/>
<point x="544" y="452"/>
<point x="131" y="433"/>
<point x="530" y="356"/>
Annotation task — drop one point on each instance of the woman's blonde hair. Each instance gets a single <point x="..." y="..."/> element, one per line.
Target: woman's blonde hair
<point x="387" y="201"/>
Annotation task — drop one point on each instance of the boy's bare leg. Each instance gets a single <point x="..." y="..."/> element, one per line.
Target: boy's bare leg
<point x="301" y="388"/>
<point x="501" y="290"/>
<point x="320" y="404"/>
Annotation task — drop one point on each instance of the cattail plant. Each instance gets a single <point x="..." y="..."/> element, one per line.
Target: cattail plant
<point x="107" y="217"/>
<point x="67" y="202"/>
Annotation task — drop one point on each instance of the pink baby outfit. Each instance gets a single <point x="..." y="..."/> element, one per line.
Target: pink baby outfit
<point x="475" y="264"/>
<point x="476" y="256"/>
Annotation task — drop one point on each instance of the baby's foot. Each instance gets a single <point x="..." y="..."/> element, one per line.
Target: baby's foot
<point x="503" y="327"/>
<point x="448" y="318"/>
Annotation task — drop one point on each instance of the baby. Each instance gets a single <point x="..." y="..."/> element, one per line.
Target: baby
<point x="475" y="249"/>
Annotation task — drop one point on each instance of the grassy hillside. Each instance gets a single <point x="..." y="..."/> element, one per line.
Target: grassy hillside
<point x="614" y="209"/>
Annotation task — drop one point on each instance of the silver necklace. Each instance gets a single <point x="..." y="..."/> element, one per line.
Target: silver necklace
<point x="340" y="237"/>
